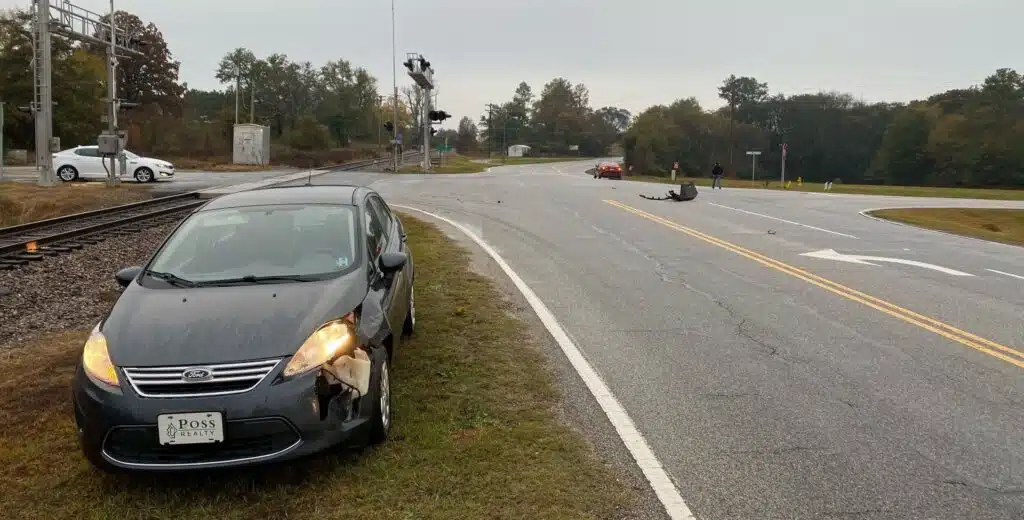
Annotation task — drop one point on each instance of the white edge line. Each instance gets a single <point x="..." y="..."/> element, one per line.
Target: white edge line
<point x="656" y="475"/>
<point x="1007" y="274"/>
<point x="865" y="213"/>
<point x="784" y="220"/>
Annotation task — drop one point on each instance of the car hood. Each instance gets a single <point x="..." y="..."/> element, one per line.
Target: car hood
<point x="151" y="160"/>
<point x="206" y="325"/>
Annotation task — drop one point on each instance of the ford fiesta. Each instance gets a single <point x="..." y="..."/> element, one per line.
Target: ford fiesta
<point x="262" y="329"/>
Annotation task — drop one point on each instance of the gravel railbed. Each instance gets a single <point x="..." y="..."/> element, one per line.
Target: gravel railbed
<point x="72" y="290"/>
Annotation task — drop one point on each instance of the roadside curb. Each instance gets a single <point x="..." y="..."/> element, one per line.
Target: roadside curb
<point x="865" y="213"/>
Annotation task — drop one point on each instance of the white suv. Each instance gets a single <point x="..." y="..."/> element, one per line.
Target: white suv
<point x="85" y="162"/>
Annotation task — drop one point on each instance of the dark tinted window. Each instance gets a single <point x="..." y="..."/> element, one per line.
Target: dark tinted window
<point x="374" y="232"/>
<point x="383" y="215"/>
<point x="261" y="241"/>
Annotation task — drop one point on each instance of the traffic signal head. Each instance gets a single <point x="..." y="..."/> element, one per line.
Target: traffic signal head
<point x="408" y="64"/>
<point x="389" y="126"/>
<point x="438" y="115"/>
<point x="433" y="132"/>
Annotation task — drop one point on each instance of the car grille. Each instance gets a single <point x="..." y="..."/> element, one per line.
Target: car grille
<point x="223" y="379"/>
<point x="243" y="439"/>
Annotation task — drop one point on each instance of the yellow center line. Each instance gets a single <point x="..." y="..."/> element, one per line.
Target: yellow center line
<point x="945" y="330"/>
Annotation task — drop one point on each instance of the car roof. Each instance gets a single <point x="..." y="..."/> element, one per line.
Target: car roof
<point x="333" y="194"/>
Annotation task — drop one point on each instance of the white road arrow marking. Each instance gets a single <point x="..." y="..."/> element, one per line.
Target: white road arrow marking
<point x="1007" y="274"/>
<point x="831" y="254"/>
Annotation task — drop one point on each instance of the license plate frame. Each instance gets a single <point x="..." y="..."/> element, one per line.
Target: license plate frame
<point x="182" y="428"/>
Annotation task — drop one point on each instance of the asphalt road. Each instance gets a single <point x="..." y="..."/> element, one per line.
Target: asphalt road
<point x="771" y="384"/>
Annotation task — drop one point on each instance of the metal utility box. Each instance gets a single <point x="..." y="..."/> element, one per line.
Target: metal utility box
<point x="251" y="144"/>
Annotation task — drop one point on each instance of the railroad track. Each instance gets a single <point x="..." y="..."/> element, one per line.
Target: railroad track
<point x="35" y="241"/>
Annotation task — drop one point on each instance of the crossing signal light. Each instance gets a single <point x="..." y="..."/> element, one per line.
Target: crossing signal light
<point x="389" y="126"/>
<point x="433" y="132"/>
<point x="438" y="115"/>
<point x="408" y="65"/>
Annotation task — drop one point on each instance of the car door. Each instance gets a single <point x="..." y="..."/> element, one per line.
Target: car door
<point x="88" y="162"/>
<point x="376" y="243"/>
<point x="399" y="243"/>
<point x="396" y="300"/>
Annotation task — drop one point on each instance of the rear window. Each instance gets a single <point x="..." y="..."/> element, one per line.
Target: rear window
<point x="279" y="240"/>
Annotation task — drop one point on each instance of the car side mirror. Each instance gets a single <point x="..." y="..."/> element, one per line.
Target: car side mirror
<point x="125" y="276"/>
<point x="391" y="262"/>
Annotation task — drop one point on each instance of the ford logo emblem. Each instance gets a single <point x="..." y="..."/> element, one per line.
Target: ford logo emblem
<point x="196" y="374"/>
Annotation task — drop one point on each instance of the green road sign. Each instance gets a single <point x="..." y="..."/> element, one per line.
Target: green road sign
<point x="443" y="148"/>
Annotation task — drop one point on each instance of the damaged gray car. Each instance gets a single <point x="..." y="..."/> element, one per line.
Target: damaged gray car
<point x="262" y="329"/>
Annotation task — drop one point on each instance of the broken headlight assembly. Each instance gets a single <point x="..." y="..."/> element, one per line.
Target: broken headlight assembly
<point x="332" y="340"/>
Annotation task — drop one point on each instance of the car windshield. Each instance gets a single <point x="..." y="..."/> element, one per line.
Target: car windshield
<point x="278" y="242"/>
<point x="130" y="155"/>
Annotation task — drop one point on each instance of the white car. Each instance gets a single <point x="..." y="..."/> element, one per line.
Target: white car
<point x="85" y="162"/>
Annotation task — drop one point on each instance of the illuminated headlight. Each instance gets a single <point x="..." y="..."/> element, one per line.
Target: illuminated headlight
<point x="96" y="359"/>
<point x="332" y="340"/>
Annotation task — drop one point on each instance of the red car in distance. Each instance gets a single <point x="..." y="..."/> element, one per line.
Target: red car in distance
<point x="608" y="169"/>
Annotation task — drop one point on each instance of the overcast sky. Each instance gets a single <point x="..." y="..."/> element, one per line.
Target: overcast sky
<point x="629" y="53"/>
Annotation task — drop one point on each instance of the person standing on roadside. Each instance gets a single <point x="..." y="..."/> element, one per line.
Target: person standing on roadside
<point x="716" y="172"/>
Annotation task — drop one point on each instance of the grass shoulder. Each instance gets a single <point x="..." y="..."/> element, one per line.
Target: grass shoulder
<point x="22" y="202"/>
<point x="476" y="434"/>
<point x="999" y="225"/>
<point x="450" y="164"/>
<point x="852" y="189"/>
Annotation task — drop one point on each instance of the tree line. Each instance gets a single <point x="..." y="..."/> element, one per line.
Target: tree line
<point x="962" y="137"/>
<point x="558" y="121"/>
<point x="315" y="113"/>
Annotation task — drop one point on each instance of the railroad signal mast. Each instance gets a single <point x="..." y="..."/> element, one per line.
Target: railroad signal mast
<point x="63" y="18"/>
<point x="422" y="73"/>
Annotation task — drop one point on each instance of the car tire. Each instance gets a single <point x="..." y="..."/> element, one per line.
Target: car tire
<point x="67" y="173"/>
<point x="409" y="326"/>
<point x="144" y="175"/>
<point x="380" y="381"/>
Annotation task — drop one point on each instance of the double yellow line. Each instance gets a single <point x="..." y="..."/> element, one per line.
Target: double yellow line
<point x="945" y="330"/>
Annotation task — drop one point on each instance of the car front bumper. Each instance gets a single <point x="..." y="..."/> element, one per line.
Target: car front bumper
<point x="165" y="173"/>
<point x="276" y="421"/>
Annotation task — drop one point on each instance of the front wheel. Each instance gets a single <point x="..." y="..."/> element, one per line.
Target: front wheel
<point x="144" y="175"/>
<point x="67" y="173"/>
<point x="380" y="421"/>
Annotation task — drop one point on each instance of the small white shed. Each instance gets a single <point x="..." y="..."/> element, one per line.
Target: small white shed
<point x="251" y="144"/>
<point x="518" y="150"/>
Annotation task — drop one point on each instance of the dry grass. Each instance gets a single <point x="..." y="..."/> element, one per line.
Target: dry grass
<point x="23" y="202"/>
<point x="855" y="189"/>
<point x="452" y="164"/>
<point x="475" y="434"/>
<point x="1000" y="225"/>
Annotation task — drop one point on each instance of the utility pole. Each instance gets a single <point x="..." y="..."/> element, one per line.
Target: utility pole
<point x="380" y="119"/>
<point x="2" y="169"/>
<point x="785" y="149"/>
<point x="113" y="176"/>
<point x="394" y="81"/>
<point x="238" y="81"/>
<point x="44" y="93"/>
<point x="252" y="104"/>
